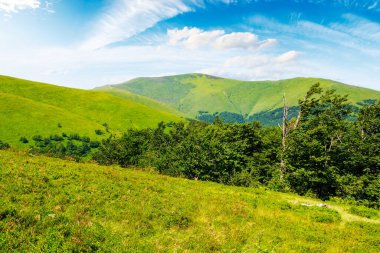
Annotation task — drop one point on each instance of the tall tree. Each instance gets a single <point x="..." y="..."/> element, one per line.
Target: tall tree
<point x="318" y="132"/>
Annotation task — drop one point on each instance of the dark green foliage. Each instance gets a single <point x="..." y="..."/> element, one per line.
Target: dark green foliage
<point x="312" y="146"/>
<point x="74" y="137"/>
<point x="94" y="144"/>
<point x="267" y="118"/>
<point x="56" y="137"/>
<point x="24" y="140"/>
<point x="106" y="127"/>
<point x="328" y="155"/>
<point x="99" y="132"/>
<point x="59" y="125"/>
<point x="367" y="102"/>
<point x="4" y="145"/>
<point x="231" y="154"/>
<point x="226" y="117"/>
<point x="37" y="138"/>
<point x="273" y="117"/>
<point x="73" y="146"/>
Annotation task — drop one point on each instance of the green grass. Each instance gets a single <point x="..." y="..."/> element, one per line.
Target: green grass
<point x="29" y="108"/>
<point x="192" y="93"/>
<point x="51" y="205"/>
<point x="364" y="212"/>
<point x="140" y="99"/>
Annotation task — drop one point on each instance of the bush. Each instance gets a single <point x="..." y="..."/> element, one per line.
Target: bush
<point x="99" y="132"/>
<point x="37" y="138"/>
<point x="24" y="140"/>
<point x="94" y="144"/>
<point x="56" y="137"/>
<point x="4" y="145"/>
<point x="74" y="137"/>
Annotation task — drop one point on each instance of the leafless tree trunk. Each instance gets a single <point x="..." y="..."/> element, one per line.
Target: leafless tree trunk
<point x="284" y="135"/>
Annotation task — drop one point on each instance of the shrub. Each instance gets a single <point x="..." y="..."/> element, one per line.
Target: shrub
<point x="94" y="144"/>
<point x="24" y="140"/>
<point x="74" y="137"/>
<point x="4" y="145"/>
<point x="106" y="127"/>
<point x="99" y="132"/>
<point x="37" y="138"/>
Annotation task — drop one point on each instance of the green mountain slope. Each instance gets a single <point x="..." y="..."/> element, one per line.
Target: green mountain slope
<point x="29" y="108"/>
<point x="193" y="93"/>
<point x="140" y="99"/>
<point x="61" y="206"/>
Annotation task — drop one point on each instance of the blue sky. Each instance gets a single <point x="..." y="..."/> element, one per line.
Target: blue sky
<point x="88" y="43"/>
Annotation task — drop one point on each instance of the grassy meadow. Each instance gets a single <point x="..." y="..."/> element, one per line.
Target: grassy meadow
<point x="52" y="205"/>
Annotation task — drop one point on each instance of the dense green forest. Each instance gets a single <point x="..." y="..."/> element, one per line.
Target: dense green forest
<point x="270" y="117"/>
<point x="321" y="151"/>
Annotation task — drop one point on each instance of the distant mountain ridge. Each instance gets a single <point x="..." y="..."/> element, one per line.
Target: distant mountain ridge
<point x="200" y="95"/>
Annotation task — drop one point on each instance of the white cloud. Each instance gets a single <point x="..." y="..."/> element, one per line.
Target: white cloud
<point x="128" y="18"/>
<point x="260" y="66"/>
<point x="194" y="38"/>
<point x="288" y="56"/>
<point x="10" y="6"/>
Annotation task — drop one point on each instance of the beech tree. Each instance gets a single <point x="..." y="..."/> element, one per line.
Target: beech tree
<point x="317" y="133"/>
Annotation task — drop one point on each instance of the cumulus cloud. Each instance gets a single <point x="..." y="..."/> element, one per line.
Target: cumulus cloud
<point x="195" y="38"/>
<point x="10" y="6"/>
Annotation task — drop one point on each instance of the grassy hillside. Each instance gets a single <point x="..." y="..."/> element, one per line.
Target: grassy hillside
<point x="197" y="92"/>
<point x="140" y="99"/>
<point x="52" y="205"/>
<point x="29" y="108"/>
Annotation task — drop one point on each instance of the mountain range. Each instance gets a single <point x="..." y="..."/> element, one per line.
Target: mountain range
<point x="32" y="108"/>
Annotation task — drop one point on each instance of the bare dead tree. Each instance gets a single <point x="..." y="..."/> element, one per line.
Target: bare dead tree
<point x="285" y="131"/>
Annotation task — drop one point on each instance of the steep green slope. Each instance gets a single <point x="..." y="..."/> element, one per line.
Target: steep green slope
<point x="196" y="92"/>
<point x="24" y="117"/>
<point x="140" y="99"/>
<point x="51" y="205"/>
<point x="28" y="108"/>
